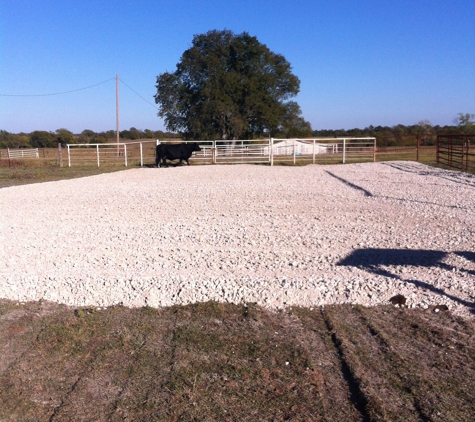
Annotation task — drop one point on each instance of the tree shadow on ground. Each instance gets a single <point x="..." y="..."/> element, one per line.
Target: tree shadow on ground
<point x="372" y="260"/>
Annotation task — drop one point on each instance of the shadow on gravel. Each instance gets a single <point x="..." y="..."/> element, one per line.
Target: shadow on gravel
<point x="416" y="169"/>
<point x="372" y="260"/>
<point x="368" y="194"/>
<point x="470" y="256"/>
<point x="352" y="185"/>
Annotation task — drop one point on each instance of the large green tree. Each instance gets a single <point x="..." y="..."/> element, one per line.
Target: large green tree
<point x="228" y="86"/>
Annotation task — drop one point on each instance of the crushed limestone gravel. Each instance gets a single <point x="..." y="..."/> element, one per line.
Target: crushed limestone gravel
<point x="276" y="236"/>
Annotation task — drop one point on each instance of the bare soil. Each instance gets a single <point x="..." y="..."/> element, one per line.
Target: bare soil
<point x="215" y="361"/>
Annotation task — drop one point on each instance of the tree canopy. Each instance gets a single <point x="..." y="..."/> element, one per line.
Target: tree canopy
<point x="466" y="122"/>
<point x="42" y="139"/>
<point x="228" y="86"/>
<point x="65" y="136"/>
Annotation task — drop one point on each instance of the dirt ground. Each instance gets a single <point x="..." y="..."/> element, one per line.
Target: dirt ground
<point x="213" y="361"/>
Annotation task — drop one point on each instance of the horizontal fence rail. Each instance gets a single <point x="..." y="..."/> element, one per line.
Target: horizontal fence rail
<point x="299" y="151"/>
<point x="340" y="149"/>
<point x="23" y="153"/>
<point x="456" y="151"/>
<point x="111" y="152"/>
<point x="19" y="154"/>
<point x="233" y="151"/>
<point x="281" y="150"/>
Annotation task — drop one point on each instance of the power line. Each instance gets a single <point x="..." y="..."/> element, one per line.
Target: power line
<point x="153" y="105"/>
<point x="80" y="89"/>
<point x="56" y="93"/>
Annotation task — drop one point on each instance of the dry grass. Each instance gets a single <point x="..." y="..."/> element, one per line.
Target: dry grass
<point x="213" y="361"/>
<point x="27" y="172"/>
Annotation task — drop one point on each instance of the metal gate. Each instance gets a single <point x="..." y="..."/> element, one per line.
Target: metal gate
<point x="309" y="150"/>
<point x="454" y="151"/>
<point x="284" y="150"/>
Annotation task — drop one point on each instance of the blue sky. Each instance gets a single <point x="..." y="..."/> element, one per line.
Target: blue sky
<point x="360" y="63"/>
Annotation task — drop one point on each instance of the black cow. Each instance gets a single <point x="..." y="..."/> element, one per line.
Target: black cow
<point x="175" y="152"/>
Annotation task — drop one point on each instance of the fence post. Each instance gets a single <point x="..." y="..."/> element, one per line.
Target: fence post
<point x="213" y="153"/>
<point x="314" y="151"/>
<point x="60" y="155"/>
<point x="125" y="154"/>
<point x="374" y="151"/>
<point x="97" y="153"/>
<point x="69" y="156"/>
<point x="344" y="150"/>
<point x="271" y="149"/>
<point x="467" y="154"/>
<point x="437" y="158"/>
<point x="418" y="146"/>
<point x="450" y="143"/>
<point x="141" y="155"/>
<point x="294" y="149"/>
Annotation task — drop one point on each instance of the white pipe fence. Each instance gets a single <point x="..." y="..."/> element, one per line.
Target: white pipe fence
<point x="23" y="153"/>
<point x="348" y="148"/>
<point x="113" y="152"/>
<point x="234" y="151"/>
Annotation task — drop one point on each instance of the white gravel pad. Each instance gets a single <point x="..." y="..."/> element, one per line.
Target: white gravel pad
<point x="278" y="236"/>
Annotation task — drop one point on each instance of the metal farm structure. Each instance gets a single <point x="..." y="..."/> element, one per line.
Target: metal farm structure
<point x="314" y="150"/>
<point x="455" y="151"/>
<point x="20" y="154"/>
<point x="264" y="151"/>
<point x="111" y="153"/>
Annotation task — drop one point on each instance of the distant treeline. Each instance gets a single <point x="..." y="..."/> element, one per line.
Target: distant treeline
<point x="400" y="134"/>
<point x="44" y="139"/>
<point x="386" y="135"/>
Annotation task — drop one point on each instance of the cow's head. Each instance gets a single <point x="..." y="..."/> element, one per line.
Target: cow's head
<point x="195" y="147"/>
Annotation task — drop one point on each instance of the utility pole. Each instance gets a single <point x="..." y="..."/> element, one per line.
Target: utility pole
<point x="117" y="120"/>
